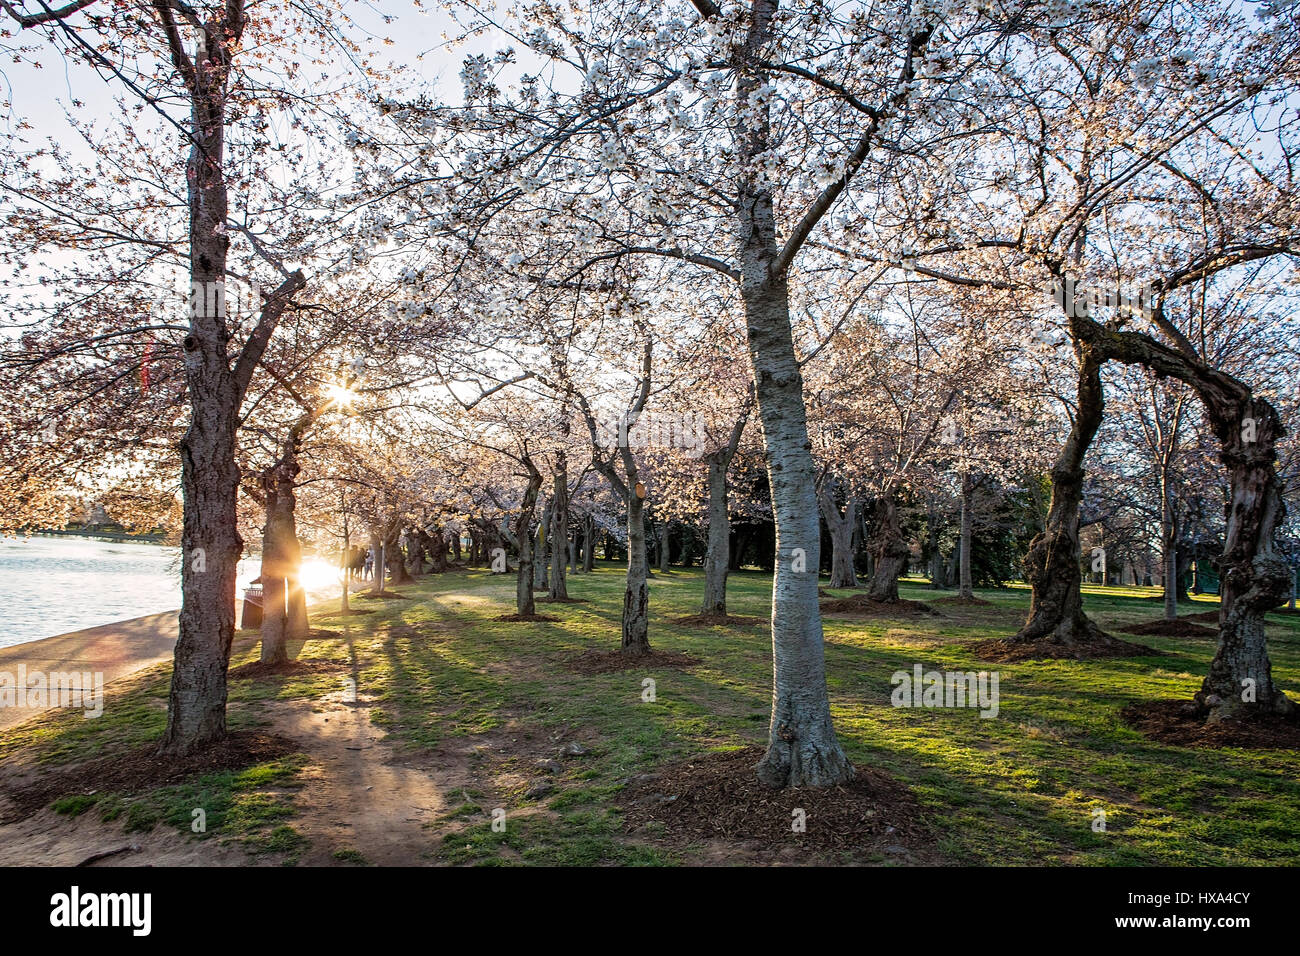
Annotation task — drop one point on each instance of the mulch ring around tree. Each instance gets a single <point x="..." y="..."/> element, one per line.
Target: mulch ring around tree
<point x="719" y="796"/>
<point x="1180" y="627"/>
<point x="257" y="669"/>
<point x="143" y="769"/>
<point x="384" y="596"/>
<point x="862" y="606"/>
<point x="963" y="602"/>
<point x="1181" y="723"/>
<point x="523" y="618"/>
<point x="720" y="620"/>
<point x="563" y="600"/>
<point x="1006" y="651"/>
<point x="610" y="662"/>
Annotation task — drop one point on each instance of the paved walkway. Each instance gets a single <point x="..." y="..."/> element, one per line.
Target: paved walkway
<point x="113" y="649"/>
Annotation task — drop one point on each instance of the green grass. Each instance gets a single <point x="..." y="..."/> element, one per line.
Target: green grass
<point x="1020" y="788"/>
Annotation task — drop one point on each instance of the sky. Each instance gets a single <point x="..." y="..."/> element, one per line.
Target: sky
<point x="41" y="96"/>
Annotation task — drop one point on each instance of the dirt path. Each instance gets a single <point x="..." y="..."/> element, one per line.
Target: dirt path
<point x="360" y="795"/>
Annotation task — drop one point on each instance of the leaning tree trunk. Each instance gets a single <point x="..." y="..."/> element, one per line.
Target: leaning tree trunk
<point x="717" y="559"/>
<point x="1254" y="578"/>
<point x="888" y="547"/>
<point x="967" y="584"/>
<point x="636" y="595"/>
<point x="1052" y="564"/>
<point x="841" y="526"/>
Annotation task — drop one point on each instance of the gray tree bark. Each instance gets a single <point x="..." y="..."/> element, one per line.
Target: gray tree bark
<point x="210" y="541"/>
<point x="888" y="547"/>
<point x="717" y="559"/>
<point x="662" y="545"/>
<point x="967" y="588"/>
<point x="559" y="528"/>
<point x="588" y="543"/>
<point x="841" y="525"/>
<point x="1254" y="577"/>
<point x="1052" y="564"/>
<point x="525" y="604"/>
<point x="540" y="568"/>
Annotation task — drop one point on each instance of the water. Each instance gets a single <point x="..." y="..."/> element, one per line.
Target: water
<point x="52" y="585"/>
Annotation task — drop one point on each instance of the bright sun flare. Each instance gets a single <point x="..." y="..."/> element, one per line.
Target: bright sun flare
<point x="317" y="575"/>
<point x="340" y="395"/>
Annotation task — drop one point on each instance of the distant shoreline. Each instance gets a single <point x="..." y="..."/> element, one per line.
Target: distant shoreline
<point x="151" y="538"/>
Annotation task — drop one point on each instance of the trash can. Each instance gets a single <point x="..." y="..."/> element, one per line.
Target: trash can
<point x="252" y="616"/>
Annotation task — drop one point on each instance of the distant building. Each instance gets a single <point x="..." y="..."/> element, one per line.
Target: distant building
<point x="94" y="516"/>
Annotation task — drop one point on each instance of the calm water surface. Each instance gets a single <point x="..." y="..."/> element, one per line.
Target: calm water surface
<point x="52" y="585"/>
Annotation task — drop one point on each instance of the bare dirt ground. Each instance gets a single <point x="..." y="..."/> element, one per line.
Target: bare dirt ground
<point x="50" y="839"/>
<point x="360" y="799"/>
<point x="358" y="794"/>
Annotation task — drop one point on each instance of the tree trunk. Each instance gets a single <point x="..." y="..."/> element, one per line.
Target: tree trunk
<point x="1169" y="546"/>
<point x="802" y="747"/>
<point x="1184" y="564"/>
<point x="967" y="587"/>
<point x="1052" y="564"/>
<point x="662" y="551"/>
<point x="416" y="542"/>
<point x="282" y="618"/>
<point x="210" y="547"/>
<point x="888" y="547"/>
<point x="345" y="564"/>
<point x="938" y="576"/>
<point x="588" y="543"/>
<point x="524" y="603"/>
<point x="636" y="595"/>
<point x="210" y="542"/>
<point x="396" y="560"/>
<point x="559" y="530"/>
<point x="938" y="571"/>
<point x="717" y="559"/>
<point x="1254" y="578"/>
<point x="841" y="526"/>
<point x="377" y="564"/>
<point x="540" y="567"/>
